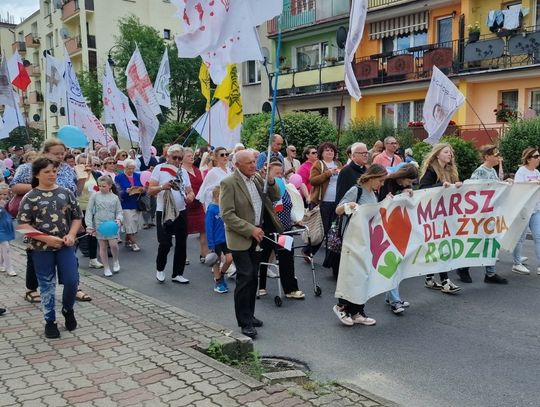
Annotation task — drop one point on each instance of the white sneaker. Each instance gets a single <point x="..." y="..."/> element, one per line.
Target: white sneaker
<point x="342" y="316"/>
<point x="520" y="269"/>
<point x="180" y="279"/>
<point x="135" y="247"/>
<point x="448" y="287"/>
<point x="270" y="273"/>
<point x="107" y="273"/>
<point x="363" y="319"/>
<point x="11" y="273"/>
<point x="2" y="269"/>
<point x="538" y="270"/>
<point x="524" y="260"/>
<point x="116" y="267"/>
<point x="94" y="264"/>
<point x="160" y="276"/>
<point x="231" y="272"/>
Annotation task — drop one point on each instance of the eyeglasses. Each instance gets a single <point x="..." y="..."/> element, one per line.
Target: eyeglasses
<point x="109" y="162"/>
<point x="393" y="142"/>
<point x="312" y="152"/>
<point x="224" y="154"/>
<point x="123" y="155"/>
<point x="177" y="157"/>
<point x="361" y="152"/>
<point x="292" y="151"/>
<point x="536" y="156"/>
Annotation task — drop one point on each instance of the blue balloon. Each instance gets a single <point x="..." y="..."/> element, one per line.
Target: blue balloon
<point x="72" y="136"/>
<point x="108" y="229"/>
<point x="7" y="173"/>
<point x="281" y="185"/>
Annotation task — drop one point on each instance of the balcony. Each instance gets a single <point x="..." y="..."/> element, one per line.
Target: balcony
<point x="325" y="78"/>
<point x="31" y="40"/>
<point x="35" y="97"/>
<point x="70" y="9"/>
<point x="73" y="45"/>
<point x="305" y="13"/>
<point x="33" y="70"/>
<point x="37" y="125"/>
<point x="18" y="46"/>
<point x="377" y="4"/>
<point x="490" y="53"/>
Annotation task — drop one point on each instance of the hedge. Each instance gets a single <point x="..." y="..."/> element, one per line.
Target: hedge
<point x="520" y="135"/>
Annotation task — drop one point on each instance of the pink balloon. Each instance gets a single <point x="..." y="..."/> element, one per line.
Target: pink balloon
<point x="145" y="177"/>
<point x="296" y="180"/>
<point x="8" y="162"/>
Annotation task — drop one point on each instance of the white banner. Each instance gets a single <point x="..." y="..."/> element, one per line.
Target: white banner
<point x="148" y="127"/>
<point x="443" y="99"/>
<point x="212" y="126"/>
<point x="357" y="20"/>
<point x="55" y="87"/>
<point x="12" y="119"/>
<point x="6" y="90"/>
<point x="435" y="230"/>
<point x="138" y="84"/>
<point x="163" y="79"/>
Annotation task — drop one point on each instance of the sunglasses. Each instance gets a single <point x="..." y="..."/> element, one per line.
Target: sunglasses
<point x="177" y="157"/>
<point x="312" y="152"/>
<point x="535" y="156"/>
<point x="224" y="154"/>
<point x="496" y="154"/>
<point x="292" y="151"/>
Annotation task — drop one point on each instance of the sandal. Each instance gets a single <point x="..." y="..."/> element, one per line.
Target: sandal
<point x="32" y="297"/>
<point x="81" y="296"/>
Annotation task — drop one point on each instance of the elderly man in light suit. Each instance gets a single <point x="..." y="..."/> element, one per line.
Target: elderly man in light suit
<point x="248" y="215"/>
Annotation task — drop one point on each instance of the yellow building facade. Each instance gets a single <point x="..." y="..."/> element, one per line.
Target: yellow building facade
<point x="403" y="40"/>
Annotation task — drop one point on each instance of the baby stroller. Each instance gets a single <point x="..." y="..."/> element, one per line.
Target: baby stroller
<point x="297" y="231"/>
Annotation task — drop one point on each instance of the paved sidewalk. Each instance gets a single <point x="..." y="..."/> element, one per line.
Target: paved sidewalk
<point x="132" y="350"/>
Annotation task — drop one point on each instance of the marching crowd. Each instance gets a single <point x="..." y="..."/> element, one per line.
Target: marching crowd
<point x="237" y="201"/>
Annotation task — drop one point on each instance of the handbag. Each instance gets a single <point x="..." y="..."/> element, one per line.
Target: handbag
<point x="142" y="204"/>
<point x="312" y="219"/>
<point x="12" y="206"/>
<point x="334" y="236"/>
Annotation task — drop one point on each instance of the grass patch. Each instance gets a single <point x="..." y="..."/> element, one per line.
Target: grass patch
<point x="250" y="364"/>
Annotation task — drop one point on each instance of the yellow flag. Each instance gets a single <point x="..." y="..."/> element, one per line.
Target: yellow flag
<point x="204" y="78"/>
<point x="229" y="91"/>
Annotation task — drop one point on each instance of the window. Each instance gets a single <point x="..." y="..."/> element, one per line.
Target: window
<point x="391" y="44"/>
<point x="56" y="37"/>
<point x="301" y="6"/>
<point x="400" y="114"/>
<point x="444" y="31"/>
<point x="535" y="101"/>
<point x="166" y="34"/>
<point x="310" y="55"/>
<point x="510" y="98"/>
<point x="49" y="41"/>
<point x="253" y="72"/>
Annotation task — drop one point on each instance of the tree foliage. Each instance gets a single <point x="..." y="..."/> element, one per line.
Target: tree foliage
<point x="299" y="129"/>
<point x="20" y="137"/>
<point x="520" y="135"/>
<point x="92" y="90"/>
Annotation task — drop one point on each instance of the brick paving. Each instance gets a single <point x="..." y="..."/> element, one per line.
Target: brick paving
<point x="132" y="350"/>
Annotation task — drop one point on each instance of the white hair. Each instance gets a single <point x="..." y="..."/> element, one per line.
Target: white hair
<point x="238" y="146"/>
<point x="357" y="145"/>
<point x="175" y="148"/>
<point x="129" y="162"/>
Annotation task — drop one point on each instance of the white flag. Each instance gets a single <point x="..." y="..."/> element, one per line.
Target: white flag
<point x="6" y="90"/>
<point x="163" y="79"/>
<point x="138" y="83"/>
<point x="357" y="20"/>
<point x="442" y="100"/>
<point x="79" y="114"/>
<point x="148" y="127"/>
<point x="55" y="88"/>
<point x="116" y="108"/>
<point x="223" y="32"/>
<point x="212" y="126"/>
<point x="12" y="119"/>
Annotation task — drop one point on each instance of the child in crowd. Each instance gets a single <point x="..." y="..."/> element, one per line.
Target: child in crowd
<point x="105" y="206"/>
<point x="53" y="211"/>
<point x="215" y="232"/>
<point x="7" y="232"/>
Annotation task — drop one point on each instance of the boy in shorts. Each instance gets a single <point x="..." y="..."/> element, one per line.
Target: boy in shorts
<point x="215" y="233"/>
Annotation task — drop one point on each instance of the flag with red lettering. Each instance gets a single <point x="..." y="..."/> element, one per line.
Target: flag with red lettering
<point x="17" y="72"/>
<point x="138" y="83"/>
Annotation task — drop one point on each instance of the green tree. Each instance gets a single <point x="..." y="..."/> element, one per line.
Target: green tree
<point x="518" y="136"/>
<point x="366" y="131"/>
<point x="92" y="90"/>
<point x="20" y="137"/>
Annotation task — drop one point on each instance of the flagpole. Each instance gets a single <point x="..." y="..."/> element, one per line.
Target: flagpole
<point x="129" y="133"/>
<point x="483" y="125"/>
<point x="281" y="125"/>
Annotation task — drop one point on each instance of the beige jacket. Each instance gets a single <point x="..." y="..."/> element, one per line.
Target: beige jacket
<point x="319" y="179"/>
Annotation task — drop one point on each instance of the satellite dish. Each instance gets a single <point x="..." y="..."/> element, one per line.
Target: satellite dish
<point x="341" y="37"/>
<point x="62" y="111"/>
<point x="57" y="4"/>
<point x="53" y="108"/>
<point x="36" y="117"/>
<point x="26" y="63"/>
<point x="64" y="33"/>
<point x="266" y="107"/>
<point x="266" y="55"/>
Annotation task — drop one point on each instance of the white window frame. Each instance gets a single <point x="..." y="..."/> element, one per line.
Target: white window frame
<point x="395" y="39"/>
<point x="321" y="56"/>
<point x="395" y="119"/>
<point x="258" y="73"/>
<point x="437" y="26"/>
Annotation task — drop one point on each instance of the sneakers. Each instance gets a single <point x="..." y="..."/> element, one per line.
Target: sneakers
<point x="116" y="267"/>
<point x="220" y="286"/>
<point x="297" y="295"/>
<point x="344" y="318"/>
<point x="262" y="292"/>
<point x="538" y="270"/>
<point x="403" y="304"/>
<point x="160" y="276"/>
<point x="363" y="319"/>
<point x="431" y="283"/>
<point x="464" y="275"/>
<point x="520" y="269"/>
<point x="2" y="311"/>
<point x="231" y="272"/>
<point x="11" y="273"/>
<point x="2" y="269"/>
<point x="135" y="247"/>
<point x="71" y="322"/>
<point x="51" y="330"/>
<point x="94" y="264"/>
<point x="271" y="273"/>
<point x="180" y="279"/>
<point x="495" y="279"/>
<point x="397" y="308"/>
<point x="448" y="287"/>
<point x="524" y="260"/>
<point x="107" y="273"/>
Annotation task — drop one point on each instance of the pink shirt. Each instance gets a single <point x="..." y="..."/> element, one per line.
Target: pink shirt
<point x="305" y="171"/>
<point x="386" y="161"/>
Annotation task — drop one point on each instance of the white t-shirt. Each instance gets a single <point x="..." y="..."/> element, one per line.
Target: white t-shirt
<point x="330" y="193"/>
<point x="161" y="175"/>
<point x="523" y="174"/>
<point x="212" y="179"/>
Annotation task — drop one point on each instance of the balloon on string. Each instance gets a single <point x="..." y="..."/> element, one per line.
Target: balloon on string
<point x="8" y="162"/>
<point x="296" y="180"/>
<point x="7" y="173"/>
<point x="145" y="177"/>
<point x="108" y="229"/>
<point x="72" y="136"/>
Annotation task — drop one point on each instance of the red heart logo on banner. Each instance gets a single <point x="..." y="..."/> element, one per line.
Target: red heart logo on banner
<point x="398" y="227"/>
<point x="377" y="244"/>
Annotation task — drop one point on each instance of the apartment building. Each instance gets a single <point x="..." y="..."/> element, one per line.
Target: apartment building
<point x="87" y="28"/>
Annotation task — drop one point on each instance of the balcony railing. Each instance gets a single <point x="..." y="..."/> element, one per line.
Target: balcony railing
<point x="454" y="57"/>
<point x="31" y="40"/>
<point x="373" y="4"/>
<point x="70" y="8"/>
<point x="73" y="45"/>
<point x="302" y="13"/>
<point x="35" y="97"/>
<point x="317" y="79"/>
<point x="18" y="46"/>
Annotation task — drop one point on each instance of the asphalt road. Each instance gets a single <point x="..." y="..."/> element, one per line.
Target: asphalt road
<point x="477" y="348"/>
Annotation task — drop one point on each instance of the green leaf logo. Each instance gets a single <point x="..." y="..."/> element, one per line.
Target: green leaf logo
<point x="391" y="264"/>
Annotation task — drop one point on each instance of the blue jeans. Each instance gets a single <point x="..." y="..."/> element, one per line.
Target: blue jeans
<point x="534" y="225"/>
<point x="65" y="261"/>
<point x="393" y="296"/>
